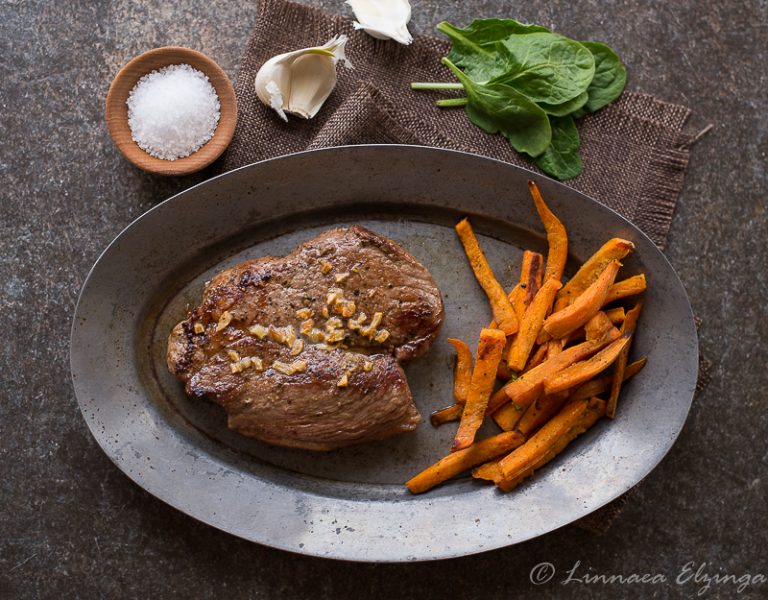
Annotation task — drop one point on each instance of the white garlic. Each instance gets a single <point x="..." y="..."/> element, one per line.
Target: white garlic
<point x="299" y="82"/>
<point x="383" y="19"/>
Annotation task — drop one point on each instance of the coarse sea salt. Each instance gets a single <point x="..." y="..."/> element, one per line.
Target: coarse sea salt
<point x="173" y="111"/>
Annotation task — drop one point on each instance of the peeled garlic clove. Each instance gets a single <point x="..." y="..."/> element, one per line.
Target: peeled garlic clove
<point x="299" y="82"/>
<point x="383" y="19"/>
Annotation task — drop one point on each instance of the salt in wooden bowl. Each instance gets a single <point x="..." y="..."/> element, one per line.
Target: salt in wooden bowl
<point x="117" y="110"/>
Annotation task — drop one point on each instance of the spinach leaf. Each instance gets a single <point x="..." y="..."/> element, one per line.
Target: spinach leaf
<point x="562" y="158"/>
<point x="609" y="80"/>
<point x="474" y="47"/>
<point x="529" y="84"/>
<point x="496" y="107"/>
<point x="566" y="108"/>
<point x="546" y="67"/>
<point x="484" y="33"/>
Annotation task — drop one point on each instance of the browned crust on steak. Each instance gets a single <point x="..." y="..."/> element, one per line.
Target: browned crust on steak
<point x="309" y="409"/>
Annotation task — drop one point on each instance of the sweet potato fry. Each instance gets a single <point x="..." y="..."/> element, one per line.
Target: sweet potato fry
<point x="462" y="373"/>
<point x="489" y="350"/>
<point x="627" y="287"/>
<point x="613" y="249"/>
<point x="603" y="384"/>
<point x="528" y="454"/>
<point x="554" y="347"/>
<point x="537" y="357"/>
<point x="517" y="300"/>
<point x="531" y="273"/>
<point x="572" y="420"/>
<point x="531" y="324"/>
<point x="556" y="235"/>
<point x="456" y="462"/>
<point x="540" y="412"/>
<point x="503" y="313"/>
<point x="544" y="337"/>
<point x="507" y="404"/>
<point x="597" y="326"/>
<point x="446" y="415"/>
<point x="582" y="309"/>
<point x="616" y="315"/>
<point x="488" y="470"/>
<point x="509" y="415"/>
<point x="629" y="326"/>
<point x="585" y="370"/>
<point x="503" y="373"/>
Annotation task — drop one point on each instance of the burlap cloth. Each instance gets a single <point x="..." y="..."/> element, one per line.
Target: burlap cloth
<point x="635" y="151"/>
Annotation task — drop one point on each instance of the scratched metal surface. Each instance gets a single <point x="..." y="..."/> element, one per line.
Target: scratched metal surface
<point x="351" y="504"/>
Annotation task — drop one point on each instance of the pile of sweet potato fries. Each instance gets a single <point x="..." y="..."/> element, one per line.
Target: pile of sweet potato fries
<point x="548" y="343"/>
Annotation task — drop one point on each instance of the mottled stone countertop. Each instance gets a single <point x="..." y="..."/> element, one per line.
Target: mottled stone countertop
<point x="73" y="526"/>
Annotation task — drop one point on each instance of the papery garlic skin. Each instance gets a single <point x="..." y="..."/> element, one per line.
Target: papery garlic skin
<point x="299" y="82"/>
<point x="383" y="19"/>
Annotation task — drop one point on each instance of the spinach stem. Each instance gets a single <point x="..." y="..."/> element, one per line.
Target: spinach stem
<point x="448" y="102"/>
<point x="416" y="85"/>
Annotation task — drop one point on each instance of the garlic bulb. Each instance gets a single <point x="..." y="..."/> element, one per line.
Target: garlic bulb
<point x="383" y="19"/>
<point x="299" y="82"/>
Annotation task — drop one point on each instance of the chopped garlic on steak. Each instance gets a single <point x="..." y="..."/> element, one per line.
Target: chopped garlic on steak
<point x="315" y="335"/>
<point x="224" y="320"/>
<point x="332" y="323"/>
<point x="334" y="294"/>
<point x="367" y="366"/>
<point x="304" y="313"/>
<point x="344" y="381"/>
<point x="356" y="324"/>
<point x="234" y="356"/>
<point x="259" y="331"/>
<point x="245" y="363"/>
<point x="382" y="336"/>
<point x="306" y="326"/>
<point x="325" y="267"/>
<point x="297" y="347"/>
<point x="283" y="335"/>
<point x="297" y="366"/>
<point x="335" y="335"/>
<point x="345" y="308"/>
<point x="199" y="328"/>
<point x="340" y="277"/>
<point x="370" y="329"/>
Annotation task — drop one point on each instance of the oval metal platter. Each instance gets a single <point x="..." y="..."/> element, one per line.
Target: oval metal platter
<point x="351" y="503"/>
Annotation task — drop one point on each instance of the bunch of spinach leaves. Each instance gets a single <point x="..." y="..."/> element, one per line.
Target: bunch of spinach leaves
<point x="529" y="84"/>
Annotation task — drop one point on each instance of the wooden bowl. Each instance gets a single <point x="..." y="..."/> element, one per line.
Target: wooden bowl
<point x="117" y="110"/>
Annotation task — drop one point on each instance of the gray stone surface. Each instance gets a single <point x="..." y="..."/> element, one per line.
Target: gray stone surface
<point x="71" y="525"/>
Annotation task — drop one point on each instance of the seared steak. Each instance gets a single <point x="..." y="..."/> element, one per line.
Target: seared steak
<point x="304" y="350"/>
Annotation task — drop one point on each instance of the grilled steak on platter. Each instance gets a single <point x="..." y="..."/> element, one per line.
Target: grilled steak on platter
<point x="304" y="350"/>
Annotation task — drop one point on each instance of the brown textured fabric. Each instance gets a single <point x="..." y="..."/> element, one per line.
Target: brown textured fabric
<point x="635" y="151"/>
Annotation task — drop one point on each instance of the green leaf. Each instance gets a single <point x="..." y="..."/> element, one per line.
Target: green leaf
<point x="561" y="159"/>
<point x="484" y="33"/>
<point x="500" y="108"/>
<point x="566" y="108"/>
<point x="546" y="67"/>
<point x="609" y="80"/>
<point x="474" y="46"/>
